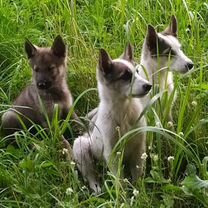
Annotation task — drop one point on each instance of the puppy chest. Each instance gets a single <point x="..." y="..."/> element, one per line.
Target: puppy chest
<point x="51" y="108"/>
<point x="127" y="122"/>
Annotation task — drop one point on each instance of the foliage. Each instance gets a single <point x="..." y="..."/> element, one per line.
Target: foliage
<point x="40" y="177"/>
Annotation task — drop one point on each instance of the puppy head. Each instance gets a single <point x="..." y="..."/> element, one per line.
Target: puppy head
<point x="48" y="64"/>
<point x="165" y="49"/>
<point x="120" y="76"/>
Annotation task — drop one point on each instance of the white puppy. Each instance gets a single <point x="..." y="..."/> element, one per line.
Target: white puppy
<point x="161" y="56"/>
<point x="120" y="88"/>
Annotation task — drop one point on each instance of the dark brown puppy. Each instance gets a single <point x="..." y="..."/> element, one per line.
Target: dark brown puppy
<point x="48" y="88"/>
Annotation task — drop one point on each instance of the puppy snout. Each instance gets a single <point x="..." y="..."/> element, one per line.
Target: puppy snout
<point x="44" y="85"/>
<point x="189" y="66"/>
<point x="147" y="87"/>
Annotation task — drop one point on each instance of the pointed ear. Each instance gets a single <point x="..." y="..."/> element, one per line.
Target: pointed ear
<point x="105" y="61"/>
<point x="30" y="49"/>
<point x="151" y="37"/>
<point x="128" y="53"/>
<point x="58" y="48"/>
<point x="172" y="28"/>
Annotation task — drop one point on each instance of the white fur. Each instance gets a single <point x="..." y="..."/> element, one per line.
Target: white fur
<point x="160" y="72"/>
<point x="125" y="62"/>
<point x="115" y="110"/>
<point x="180" y="60"/>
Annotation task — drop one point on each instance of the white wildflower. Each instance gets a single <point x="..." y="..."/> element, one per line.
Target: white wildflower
<point x="144" y="156"/>
<point x="125" y="180"/>
<point x="194" y="103"/>
<point x="69" y="191"/>
<point x="170" y="124"/>
<point x="135" y="192"/>
<point x="170" y="158"/>
<point x="118" y="153"/>
<point x="64" y="151"/>
<point x="117" y="128"/>
<point x="72" y="163"/>
<point x="84" y="187"/>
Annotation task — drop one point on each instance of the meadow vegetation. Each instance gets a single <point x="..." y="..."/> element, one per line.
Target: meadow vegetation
<point x="176" y="173"/>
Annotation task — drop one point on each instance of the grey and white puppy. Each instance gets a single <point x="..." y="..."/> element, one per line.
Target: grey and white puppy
<point x="120" y="88"/>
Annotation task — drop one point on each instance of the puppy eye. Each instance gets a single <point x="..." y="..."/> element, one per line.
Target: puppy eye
<point x="36" y="69"/>
<point x="127" y="75"/>
<point x="172" y="52"/>
<point x="168" y="52"/>
<point x="50" y="68"/>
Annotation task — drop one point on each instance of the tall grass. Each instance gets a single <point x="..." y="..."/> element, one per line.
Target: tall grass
<point x="176" y="170"/>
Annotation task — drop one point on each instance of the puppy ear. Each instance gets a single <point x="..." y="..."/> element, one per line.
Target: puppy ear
<point x="151" y="37"/>
<point x="58" y="48"/>
<point x="30" y="49"/>
<point x="105" y="61"/>
<point x="128" y="53"/>
<point x="172" y="28"/>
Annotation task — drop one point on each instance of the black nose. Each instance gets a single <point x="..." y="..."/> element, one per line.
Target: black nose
<point x="147" y="87"/>
<point x="189" y="66"/>
<point x="43" y="85"/>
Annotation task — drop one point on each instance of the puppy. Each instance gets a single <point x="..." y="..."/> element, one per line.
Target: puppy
<point x="161" y="56"/>
<point x="120" y="88"/>
<point x="49" y="87"/>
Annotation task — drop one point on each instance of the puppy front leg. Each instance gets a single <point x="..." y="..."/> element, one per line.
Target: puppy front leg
<point x="111" y="159"/>
<point x="136" y="169"/>
<point x="92" y="117"/>
<point x="138" y="158"/>
<point x="78" y="125"/>
<point x="92" y="114"/>
<point x="85" y="161"/>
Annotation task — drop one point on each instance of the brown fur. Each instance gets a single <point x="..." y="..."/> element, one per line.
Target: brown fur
<point x="48" y="87"/>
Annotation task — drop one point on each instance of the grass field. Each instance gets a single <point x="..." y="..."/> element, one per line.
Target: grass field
<point x="176" y="174"/>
